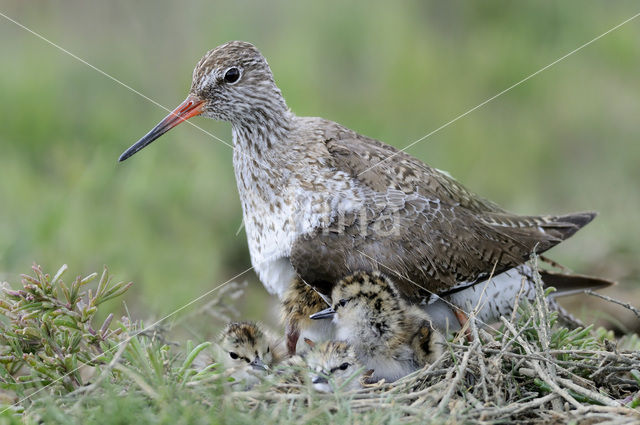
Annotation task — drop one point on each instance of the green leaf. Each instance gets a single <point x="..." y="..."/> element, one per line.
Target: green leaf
<point x="188" y="361"/>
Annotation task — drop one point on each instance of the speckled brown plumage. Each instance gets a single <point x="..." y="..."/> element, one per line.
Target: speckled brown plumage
<point x="299" y="302"/>
<point x="388" y="335"/>
<point x="246" y="346"/>
<point x="333" y="362"/>
<point x="321" y="201"/>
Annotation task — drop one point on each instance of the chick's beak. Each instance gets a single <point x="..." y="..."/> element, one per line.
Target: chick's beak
<point x="191" y="107"/>
<point x="319" y="380"/>
<point x="258" y="364"/>
<point x="324" y="314"/>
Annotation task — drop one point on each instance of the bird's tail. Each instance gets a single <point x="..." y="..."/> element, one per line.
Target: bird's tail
<point x="564" y="226"/>
<point x="557" y="227"/>
<point x="570" y="284"/>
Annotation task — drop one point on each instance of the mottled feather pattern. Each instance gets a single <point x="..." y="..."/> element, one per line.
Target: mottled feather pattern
<point x="388" y="335"/>
<point x="242" y="333"/>
<point x="327" y="207"/>
<point x="249" y="339"/>
<point x="439" y="233"/>
<point x="308" y="188"/>
<point x="298" y="303"/>
<point x="329" y="355"/>
<point x="248" y="350"/>
<point x="333" y="362"/>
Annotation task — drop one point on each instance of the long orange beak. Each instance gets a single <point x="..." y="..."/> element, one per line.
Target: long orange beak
<point x="191" y="107"/>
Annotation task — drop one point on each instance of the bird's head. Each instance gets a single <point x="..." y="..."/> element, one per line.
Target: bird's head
<point x="365" y="307"/>
<point x="333" y="364"/>
<point x="233" y="83"/>
<point x="246" y="345"/>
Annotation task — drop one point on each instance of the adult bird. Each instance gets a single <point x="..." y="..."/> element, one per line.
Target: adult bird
<point x="321" y="201"/>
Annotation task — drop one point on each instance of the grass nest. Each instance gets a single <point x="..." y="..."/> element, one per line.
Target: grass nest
<point x="511" y="375"/>
<point x="58" y="367"/>
<point x="527" y="369"/>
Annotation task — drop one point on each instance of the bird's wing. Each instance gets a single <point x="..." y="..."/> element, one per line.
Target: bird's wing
<point x="419" y="227"/>
<point x="381" y="167"/>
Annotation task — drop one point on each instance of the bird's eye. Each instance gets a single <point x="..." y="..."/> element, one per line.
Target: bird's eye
<point x="233" y="355"/>
<point x="342" y="302"/>
<point x="232" y="75"/>
<point x="344" y="366"/>
<point x="268" y="349"/>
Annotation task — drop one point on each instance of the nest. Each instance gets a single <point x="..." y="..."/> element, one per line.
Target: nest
<point x="528" y="369"/>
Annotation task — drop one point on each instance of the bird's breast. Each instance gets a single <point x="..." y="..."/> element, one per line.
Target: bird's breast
<point x="281" y="202"/>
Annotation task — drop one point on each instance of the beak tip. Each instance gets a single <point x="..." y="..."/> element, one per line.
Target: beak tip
<point x="187" y="109"/>
<point x="326" y="313"/>
<point x="128" y="153"/>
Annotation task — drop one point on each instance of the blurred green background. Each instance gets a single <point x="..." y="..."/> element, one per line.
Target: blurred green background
<point x="566" y="140"/>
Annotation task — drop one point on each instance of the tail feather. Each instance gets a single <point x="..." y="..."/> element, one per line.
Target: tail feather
<point x="570" y="284"/>
<point x="538" y="232"/>
<point x="580" y="219"/>
<point x="564" y="226"/>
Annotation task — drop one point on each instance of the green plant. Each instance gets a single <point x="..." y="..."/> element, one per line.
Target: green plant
<point x="47" y="332"/>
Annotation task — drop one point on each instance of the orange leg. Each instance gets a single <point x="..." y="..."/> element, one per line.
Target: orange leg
<point x="463" y="319"/>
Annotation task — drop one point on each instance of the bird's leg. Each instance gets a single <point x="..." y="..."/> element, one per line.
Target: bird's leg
<point x="299" y="302"/>
<point x="292" y="334"/>
<point x="463" y="319"/>
<point x="292" y="314"/>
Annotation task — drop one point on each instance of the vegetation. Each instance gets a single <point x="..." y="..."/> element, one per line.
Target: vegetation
<point x="169" y="219"/>
<point x="57" y="368"/>
<point x="566" y="140"/>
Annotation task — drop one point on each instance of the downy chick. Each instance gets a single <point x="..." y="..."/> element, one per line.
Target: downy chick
<point x="298" y="303"/>
<point x="332" y="364"/>
<point x="247" y="350"/>
<point x="388" y="335"/>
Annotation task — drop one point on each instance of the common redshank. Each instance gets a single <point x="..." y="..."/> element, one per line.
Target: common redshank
<point x="321" y="201"/>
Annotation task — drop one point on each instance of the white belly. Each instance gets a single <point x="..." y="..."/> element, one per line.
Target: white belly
<point x="276" y="275"/>
<point x="489" y="300"/>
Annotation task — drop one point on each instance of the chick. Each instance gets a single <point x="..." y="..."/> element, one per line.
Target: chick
<point x="332" y="365"/>
<point x="298" y="303"/>
<point x="247" y="350"/>
<point x="389" y="335"/>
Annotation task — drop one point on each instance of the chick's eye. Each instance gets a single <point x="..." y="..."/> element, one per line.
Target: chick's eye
<point x="233" y="355"/>
<point x="232" y="75"/>
<point x="344" y="366"/>
<point x="342" y="302"/>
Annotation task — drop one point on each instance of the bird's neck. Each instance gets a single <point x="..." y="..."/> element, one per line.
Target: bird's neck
<point x="258" y="138"/>
<point x="265" y="123"/>
<point x="261" y="149"/>
<point x="263" y="164"/>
